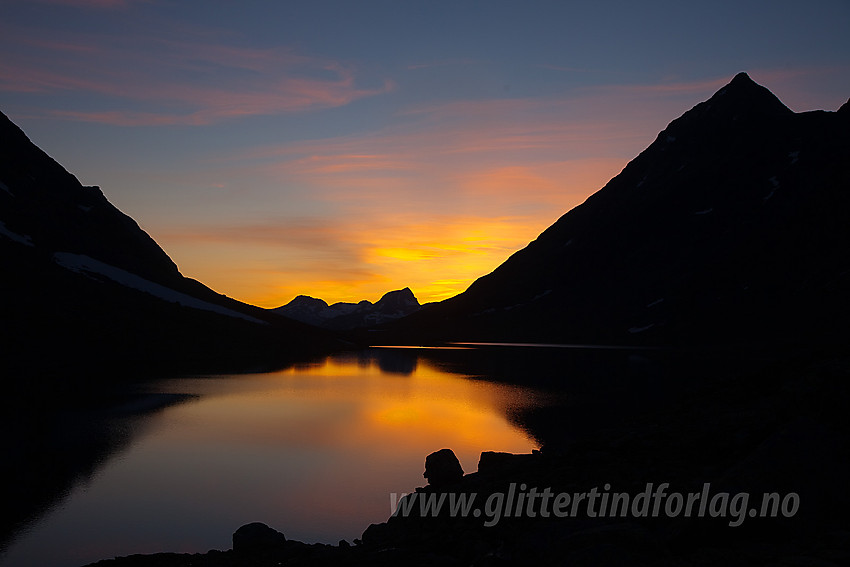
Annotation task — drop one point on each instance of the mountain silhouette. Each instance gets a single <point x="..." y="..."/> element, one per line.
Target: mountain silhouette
<point x="86" y="290"/>
<point x="346" y="316"/>
<point x="730" y="228"/>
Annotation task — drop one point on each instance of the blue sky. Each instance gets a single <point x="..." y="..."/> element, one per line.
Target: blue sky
<point x="344" y="149"/>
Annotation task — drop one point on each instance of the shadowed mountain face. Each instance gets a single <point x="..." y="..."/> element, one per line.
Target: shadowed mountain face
<point x="343" y="316"/>
<point x="48" y="208"/>
<point x="730" y="228"/>
<point x="86" y="290"/>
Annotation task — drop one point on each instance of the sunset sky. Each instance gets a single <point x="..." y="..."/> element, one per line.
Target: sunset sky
<point x="344" y="149"/>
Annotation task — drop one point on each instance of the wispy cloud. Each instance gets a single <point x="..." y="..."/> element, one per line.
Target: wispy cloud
<point x="157" y="81"/>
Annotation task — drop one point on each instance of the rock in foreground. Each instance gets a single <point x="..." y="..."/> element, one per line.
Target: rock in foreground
<point x="442" y="468"/>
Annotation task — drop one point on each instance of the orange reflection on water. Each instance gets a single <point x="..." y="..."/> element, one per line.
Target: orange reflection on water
<point x="391" y="406"/>
<point x="417" y="404"/>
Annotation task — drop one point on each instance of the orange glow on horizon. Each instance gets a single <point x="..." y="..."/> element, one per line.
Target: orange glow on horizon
<point x="436" y="261"/>
<point x="365" y="254"/>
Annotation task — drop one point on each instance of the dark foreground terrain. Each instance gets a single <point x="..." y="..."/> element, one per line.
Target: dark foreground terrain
<point x="779" y="429"/>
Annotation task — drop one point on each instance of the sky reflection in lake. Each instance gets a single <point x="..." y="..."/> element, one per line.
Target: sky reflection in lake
<point x="313" y="450"/>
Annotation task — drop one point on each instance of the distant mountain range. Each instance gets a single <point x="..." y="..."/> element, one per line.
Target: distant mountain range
<point x="730" y="228"/>
<point x="84" y="289"/>
<point x="344" y="316"/>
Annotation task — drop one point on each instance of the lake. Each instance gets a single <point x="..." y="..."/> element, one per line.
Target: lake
<point x="314" y="450"/>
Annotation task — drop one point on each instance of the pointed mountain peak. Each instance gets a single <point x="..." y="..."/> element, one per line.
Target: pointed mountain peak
<point x="742" y="79"/>
<point x="741" y="105"/>
<point x="744" y="96"/>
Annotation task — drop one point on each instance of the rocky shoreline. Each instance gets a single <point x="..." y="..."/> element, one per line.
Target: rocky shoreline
<point x="782" y="431"/>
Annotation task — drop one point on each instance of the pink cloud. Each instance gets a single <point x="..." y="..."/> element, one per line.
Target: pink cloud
<point x="146" y="78"/>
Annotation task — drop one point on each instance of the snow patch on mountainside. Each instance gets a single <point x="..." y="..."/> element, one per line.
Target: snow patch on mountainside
<point x="83" y="264"/>
<point x="14" y="236"/>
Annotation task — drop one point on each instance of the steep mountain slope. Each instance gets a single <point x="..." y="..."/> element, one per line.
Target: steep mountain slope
<point x="343" y="316"/>
<point x="84" y="289"/>
<point x="729" y="228"/>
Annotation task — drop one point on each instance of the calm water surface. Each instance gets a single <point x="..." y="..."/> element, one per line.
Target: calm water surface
<point x="314" y="451"/>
